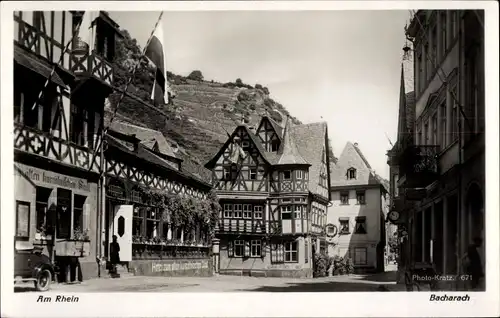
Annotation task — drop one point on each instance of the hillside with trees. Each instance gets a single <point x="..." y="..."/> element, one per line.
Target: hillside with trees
<point x="201" y="112"/>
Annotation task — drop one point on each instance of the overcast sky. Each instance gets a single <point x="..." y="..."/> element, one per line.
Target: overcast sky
<point x="343" y="67"/>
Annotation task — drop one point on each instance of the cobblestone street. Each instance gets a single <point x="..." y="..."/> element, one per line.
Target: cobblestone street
<point x="371" y="282"/>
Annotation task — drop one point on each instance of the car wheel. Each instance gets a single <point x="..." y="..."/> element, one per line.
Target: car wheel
<point x="43" y="280"/>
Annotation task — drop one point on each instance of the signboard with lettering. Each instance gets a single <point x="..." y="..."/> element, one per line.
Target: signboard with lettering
<point x="51" y="179"/>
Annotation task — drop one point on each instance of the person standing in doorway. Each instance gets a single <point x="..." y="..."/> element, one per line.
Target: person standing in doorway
<point x="114" y="254"/>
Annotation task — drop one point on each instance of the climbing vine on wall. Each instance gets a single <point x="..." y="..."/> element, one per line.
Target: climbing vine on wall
<point x="185" y="212"/>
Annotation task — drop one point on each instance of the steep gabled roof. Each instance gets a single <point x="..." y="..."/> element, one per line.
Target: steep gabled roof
<point x="148" y="137"/>
<point x="265" y="155"/>
<point x="352" y="157"/>
<point x="288" y="151"/>
<point x="310" y="140"/>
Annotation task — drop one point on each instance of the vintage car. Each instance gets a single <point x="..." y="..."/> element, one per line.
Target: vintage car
<point x="31" y="265"/>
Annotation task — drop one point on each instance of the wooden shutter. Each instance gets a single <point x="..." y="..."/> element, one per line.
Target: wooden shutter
<point x="247" y="249"/>
<point x="263" y="248"/>
<point x="230" y="249"/>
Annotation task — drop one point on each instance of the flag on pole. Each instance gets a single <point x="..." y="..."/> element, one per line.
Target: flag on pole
<point x="155" y="52"/>
<point x="87" y="28"/>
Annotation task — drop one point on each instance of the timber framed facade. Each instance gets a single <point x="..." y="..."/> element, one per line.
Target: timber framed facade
<point x="139" y="162"/>
<point x="272" y="184"/>
<point x="57" y="127"/>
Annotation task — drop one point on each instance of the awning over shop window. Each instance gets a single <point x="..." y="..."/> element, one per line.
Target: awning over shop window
<point x="343" y="219"/>
<point x="36" y="65"/>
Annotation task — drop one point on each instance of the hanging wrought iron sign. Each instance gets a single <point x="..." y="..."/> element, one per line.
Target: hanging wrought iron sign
<point x="393" y="216"/>
<point x="331" y="231"/>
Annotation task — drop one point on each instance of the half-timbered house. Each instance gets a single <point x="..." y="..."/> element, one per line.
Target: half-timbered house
<point x="272" y="183"/>
<point x="56" y="129"/>
<point x="145" y="186"/>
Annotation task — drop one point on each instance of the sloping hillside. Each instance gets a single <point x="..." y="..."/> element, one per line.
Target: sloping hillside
<point x="200" y="115"/>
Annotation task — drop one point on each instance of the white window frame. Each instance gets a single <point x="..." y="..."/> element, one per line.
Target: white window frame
<point x="247" y="211"/>
<point x="297" y="212"/>
<point x="258" y="211"/>
<point x="290" y="252"/>
<point x="255" y="246"/>
<point x="237" y="243"/>
<point x="237" y="211"/>
<point x="299" y="174"/>
<point x="228" y="210"/>
<point x="286" y="209"/>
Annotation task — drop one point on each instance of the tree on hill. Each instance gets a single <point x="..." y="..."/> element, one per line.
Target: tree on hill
<point x="239" y="82"/>
<point x="258" y="86"/>
<point x="196" y="76"/>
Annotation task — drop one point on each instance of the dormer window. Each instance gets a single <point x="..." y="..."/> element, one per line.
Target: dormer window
<point x="351" y="174"/>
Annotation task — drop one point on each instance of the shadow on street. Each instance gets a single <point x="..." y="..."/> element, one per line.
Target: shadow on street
<point x="320" y="287"/>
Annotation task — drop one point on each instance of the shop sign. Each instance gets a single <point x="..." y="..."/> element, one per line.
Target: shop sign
<point x="159" y="267"/>
<point x="45" y="178"/>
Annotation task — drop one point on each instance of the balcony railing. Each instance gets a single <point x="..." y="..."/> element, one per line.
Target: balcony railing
<point x="77" y="61"/>
<point x="36" y="142"/>
<point x="418" y="166"/>
<point x="85" y="64"/>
